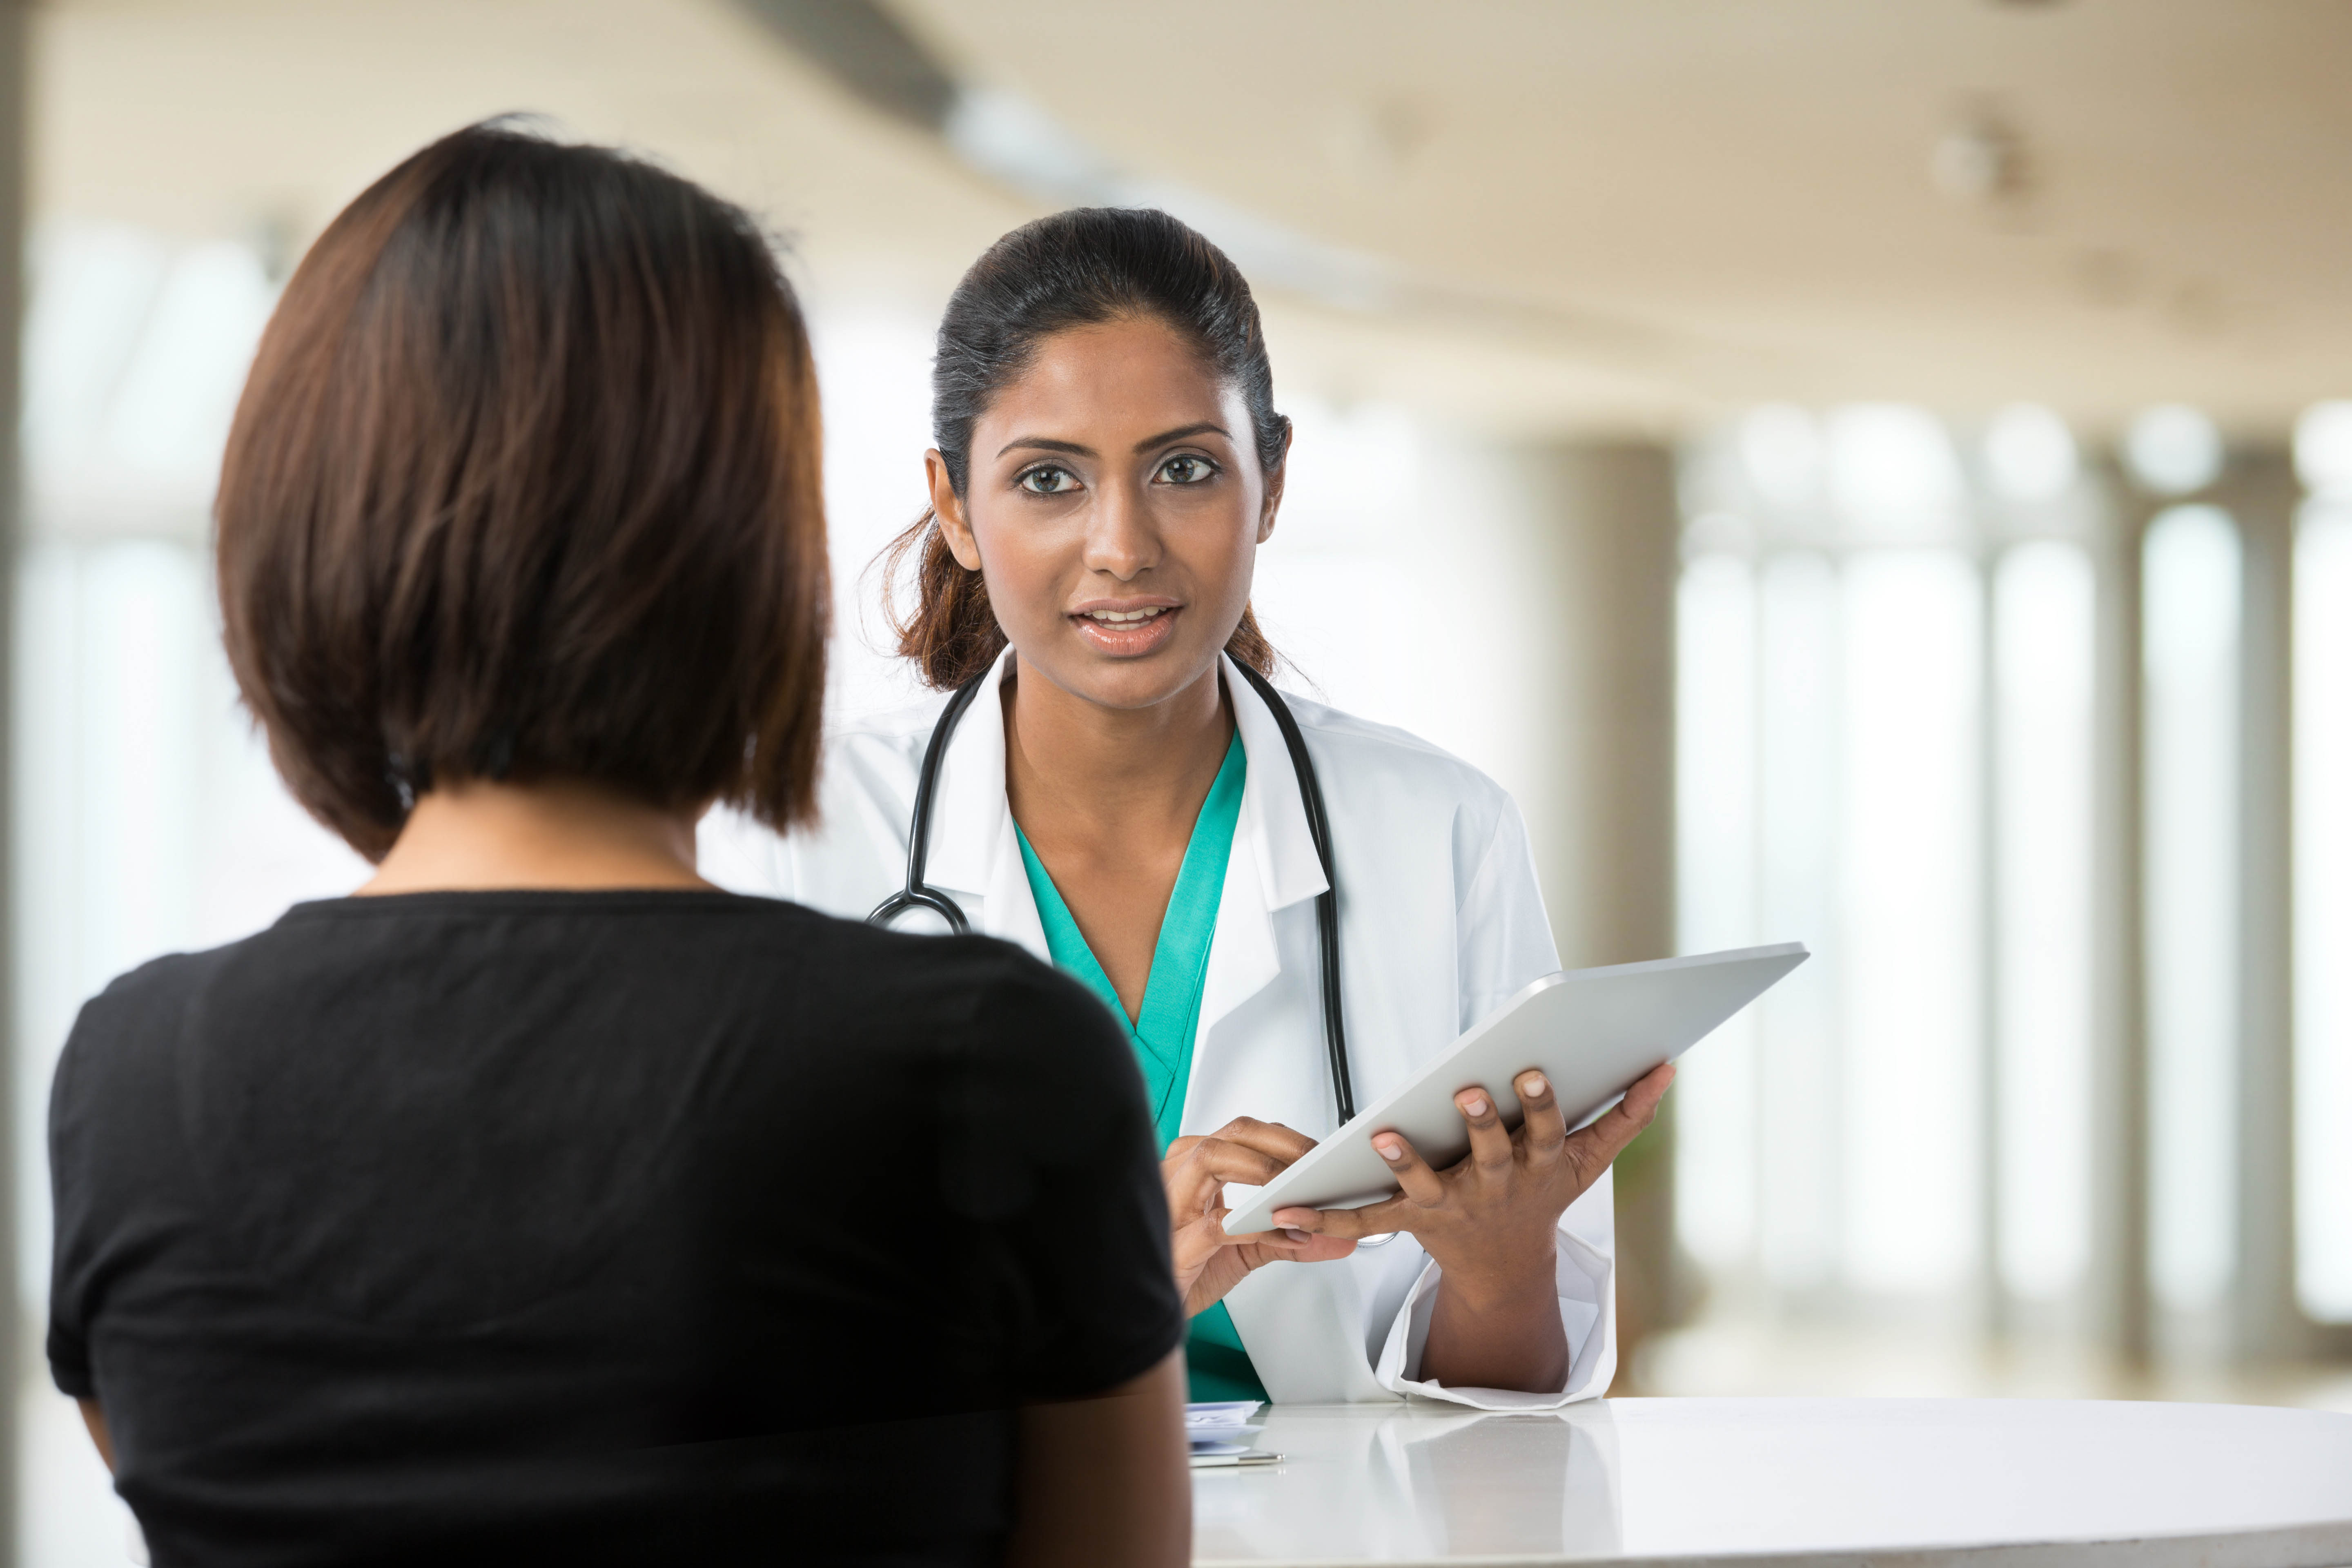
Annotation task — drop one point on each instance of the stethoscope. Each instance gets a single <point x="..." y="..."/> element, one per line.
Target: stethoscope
<point x="919" y="895"/>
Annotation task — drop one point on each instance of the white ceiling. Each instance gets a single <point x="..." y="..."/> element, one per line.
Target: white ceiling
<point x="1675" y="206"/>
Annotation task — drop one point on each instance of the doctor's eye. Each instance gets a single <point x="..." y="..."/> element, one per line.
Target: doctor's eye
<point x="1186" y="468"/>
<point x="1048" y="479"/>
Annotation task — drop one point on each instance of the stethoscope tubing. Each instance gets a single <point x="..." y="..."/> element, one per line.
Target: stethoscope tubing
<point x="917" y="894"/>
<point x="1327" y="902"/>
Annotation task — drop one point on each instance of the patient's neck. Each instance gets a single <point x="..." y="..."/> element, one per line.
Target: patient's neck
<point x="560" y="833"/>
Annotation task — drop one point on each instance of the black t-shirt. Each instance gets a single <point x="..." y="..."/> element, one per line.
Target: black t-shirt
<point x="607" y="1226"/>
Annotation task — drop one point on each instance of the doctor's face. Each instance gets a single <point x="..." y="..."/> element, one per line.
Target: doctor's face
<point x="1115" y="505"/>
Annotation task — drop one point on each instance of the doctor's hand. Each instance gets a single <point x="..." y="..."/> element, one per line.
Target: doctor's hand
<point x="1489" y="1221"/>
<point x="1194" y="1171"/>
<point x="1496" y="1207"/>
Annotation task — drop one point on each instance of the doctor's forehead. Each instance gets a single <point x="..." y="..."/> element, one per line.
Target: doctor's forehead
<point x="1109" y="387"/>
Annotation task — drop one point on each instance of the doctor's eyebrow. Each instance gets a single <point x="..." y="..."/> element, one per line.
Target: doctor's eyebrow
<point x="1047" y="444"/>
<point x="1204" y="427"/>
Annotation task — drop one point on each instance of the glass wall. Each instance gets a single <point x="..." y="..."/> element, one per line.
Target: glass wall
<point x="1902" y="743"/>
<point x="2322" y="867"/>
<point x="2044" y="601"/>
<point x="1851" y="626"/>
<point x="2191" y="662"/>
<point x="1886" y="670"/>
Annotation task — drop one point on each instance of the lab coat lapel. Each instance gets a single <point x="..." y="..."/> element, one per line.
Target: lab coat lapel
<point x="975" y="850"/>
<point x="974" y="847"/>
<point x="1273" y="864"/>
<point x="1010" y="910"/>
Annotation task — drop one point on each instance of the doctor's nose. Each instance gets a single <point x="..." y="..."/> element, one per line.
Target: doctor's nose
<point x="1121" y="541"/>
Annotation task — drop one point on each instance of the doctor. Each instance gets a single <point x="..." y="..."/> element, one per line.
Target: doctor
<point x="1114" y="792"/>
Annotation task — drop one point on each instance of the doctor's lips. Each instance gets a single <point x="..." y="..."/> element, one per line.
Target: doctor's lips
<point x="1127" y="627"/>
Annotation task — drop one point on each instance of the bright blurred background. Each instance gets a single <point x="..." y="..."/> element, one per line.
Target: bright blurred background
<point x="1859" y="473"/>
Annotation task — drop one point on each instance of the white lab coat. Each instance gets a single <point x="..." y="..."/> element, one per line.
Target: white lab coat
<point x="1440" y="921"/>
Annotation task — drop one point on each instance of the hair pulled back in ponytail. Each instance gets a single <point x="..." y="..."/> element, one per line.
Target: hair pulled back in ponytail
<point x="1075" y="268"/>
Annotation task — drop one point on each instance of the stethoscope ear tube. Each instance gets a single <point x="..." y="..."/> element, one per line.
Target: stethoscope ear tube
<point x="919" y="894"/>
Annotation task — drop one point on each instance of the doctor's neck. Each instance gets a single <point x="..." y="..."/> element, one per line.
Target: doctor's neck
<point x="1065" y="754"/>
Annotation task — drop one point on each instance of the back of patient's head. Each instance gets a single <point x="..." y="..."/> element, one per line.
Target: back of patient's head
<point x="525" y="487"/>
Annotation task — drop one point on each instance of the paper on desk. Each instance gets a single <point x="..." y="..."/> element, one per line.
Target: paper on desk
<point x="1218" y="1431"/>
<point x="1222" y="1412"/>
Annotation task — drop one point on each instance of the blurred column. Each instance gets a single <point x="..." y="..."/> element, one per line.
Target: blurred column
<point x="2259" y="490"/>
<point x="1606" y="543"/>
<point x="14" y="72"/>
<point x="2119" y="1297"/>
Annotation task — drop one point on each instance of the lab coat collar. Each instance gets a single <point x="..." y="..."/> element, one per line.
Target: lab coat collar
<point x="1273" y="818"/>
<point x="972" y="824"/>
<point x="975" y="848"/>
<point x="1272" y="841"/>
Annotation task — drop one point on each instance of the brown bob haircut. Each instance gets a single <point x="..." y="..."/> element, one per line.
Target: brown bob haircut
<point x="525" y="486"/>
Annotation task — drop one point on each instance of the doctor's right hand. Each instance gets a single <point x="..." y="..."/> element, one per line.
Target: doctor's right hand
<point x="1207" y="1261"/>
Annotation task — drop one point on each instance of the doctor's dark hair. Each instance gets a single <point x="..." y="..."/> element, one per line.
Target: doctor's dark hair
<point x="524" y="485"/>
<point x="1077" y="269"/>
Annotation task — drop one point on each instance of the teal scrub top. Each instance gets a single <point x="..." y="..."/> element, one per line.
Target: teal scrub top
<point x="1170" y="1017"/>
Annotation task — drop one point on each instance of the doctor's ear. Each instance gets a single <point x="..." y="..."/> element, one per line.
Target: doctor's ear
<point x="1272" y="502"/>
<point x="947" y="507"/>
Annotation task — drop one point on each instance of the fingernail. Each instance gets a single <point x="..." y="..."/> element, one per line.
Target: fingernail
<point x="1390" y="1150"/>
<point x="1535" y="1087"/>
<point x="1294" y="1233"/>
<point x="1474" y="1106"/>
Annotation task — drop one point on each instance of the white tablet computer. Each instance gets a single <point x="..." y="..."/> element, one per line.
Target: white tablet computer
<point x="1592" y="1031"/>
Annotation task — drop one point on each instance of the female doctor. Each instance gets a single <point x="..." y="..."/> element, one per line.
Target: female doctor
<point x="1114" y="791"/>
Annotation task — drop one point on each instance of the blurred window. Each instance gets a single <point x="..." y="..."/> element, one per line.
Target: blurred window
<point x="2322" y="904"/>
<point x="1715" y="810"/>
<point x="2190" y="661"/>
<point x="147" y="817"/>
<point x="1885" y="677"/>
<point x="1913" y="882"/>
<point x="2044" y="610"/>
<point x="1798" y="1098"/>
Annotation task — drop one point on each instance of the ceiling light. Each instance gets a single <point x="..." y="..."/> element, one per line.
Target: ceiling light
<point x="1892" y="471"/>
<point x="2323" y="448"/>
<point x="1375" y="142"/>
<point x="2030" y="453"/>
<point x="1980" y="160"/>
<point x="2173" y="449"/>
<point x="1780" y="446"/>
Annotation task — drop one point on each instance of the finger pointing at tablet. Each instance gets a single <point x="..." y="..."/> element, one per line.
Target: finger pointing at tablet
<point x="1194" y="1171"/>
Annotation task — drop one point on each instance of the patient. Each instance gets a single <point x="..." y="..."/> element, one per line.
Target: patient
<point x="540" y="1201"/>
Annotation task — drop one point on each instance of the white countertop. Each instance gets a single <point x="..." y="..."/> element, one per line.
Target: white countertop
<point x="2000" y="1483"/>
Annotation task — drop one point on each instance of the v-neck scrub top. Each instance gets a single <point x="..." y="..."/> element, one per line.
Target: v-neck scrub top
<point x="1169" y="1018"/>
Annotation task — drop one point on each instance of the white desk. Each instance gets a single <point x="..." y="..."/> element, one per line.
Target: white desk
<point x="1990" y="1483"/>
